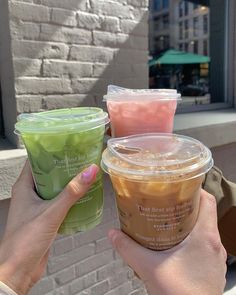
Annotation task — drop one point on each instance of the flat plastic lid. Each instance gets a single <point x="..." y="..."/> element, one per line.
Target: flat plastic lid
<point x="167" y="157"/>
<point x="68" y="120"/>
<point x="119" y="93"/>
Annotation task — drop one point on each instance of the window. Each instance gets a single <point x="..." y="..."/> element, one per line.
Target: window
<point x="185" y="8"/>
<point x="205" y="47"/>
<point x="195" y="26"/>
<point x="195" y="46"/>
<point x="206" y="30"/>
<point x="205" y="24"/>
<point x="186" y="46"/>
<point x="165" y="3"/>
<point x="157" y="23"/>
<point x="180" y="30"/>
<point x="165" y="20"/>
<point x="181" y="8"/>
<point x="186" y="29"/>
<point x="156" y="5"/>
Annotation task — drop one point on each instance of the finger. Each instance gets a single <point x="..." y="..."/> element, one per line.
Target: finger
<point x="74" y="191"/>
<point x="207" y="217"/>
<point x="25" y="178"/>
<point x="136" y="256"/>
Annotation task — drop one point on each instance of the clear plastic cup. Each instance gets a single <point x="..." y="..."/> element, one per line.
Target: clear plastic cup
<point x="136" y="111"/>
<point x="59" y="144"/>
<point x="157" y="180"/>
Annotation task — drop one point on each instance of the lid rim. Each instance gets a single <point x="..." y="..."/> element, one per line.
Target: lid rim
<point x="194" y="168"/>
<point x="66" y="125"/>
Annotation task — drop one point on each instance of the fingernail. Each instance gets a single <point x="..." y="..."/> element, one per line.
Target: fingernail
<point x="89" y="174"/>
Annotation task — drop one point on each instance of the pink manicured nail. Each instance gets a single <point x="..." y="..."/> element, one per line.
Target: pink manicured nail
<point x="89" y="174"/>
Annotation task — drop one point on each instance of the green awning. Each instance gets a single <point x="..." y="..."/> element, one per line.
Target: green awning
<point x="173" y="57"/>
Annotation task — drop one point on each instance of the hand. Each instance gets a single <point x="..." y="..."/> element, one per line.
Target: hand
<point x="195" y="266"/>
<point x="32" y="226"/>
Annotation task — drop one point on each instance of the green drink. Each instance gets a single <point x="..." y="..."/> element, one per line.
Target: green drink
<point x="59" y="144"/>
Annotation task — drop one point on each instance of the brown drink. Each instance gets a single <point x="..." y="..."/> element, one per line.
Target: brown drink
<point x="157" y="180"/>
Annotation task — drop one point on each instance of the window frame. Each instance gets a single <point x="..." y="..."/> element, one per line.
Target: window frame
<point x="230" y="47"/>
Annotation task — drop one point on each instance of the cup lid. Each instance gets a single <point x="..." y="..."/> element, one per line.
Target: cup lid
<point x="167" y="157"/>
<point x="68" y="120"/>
<point x="117" y="93"/>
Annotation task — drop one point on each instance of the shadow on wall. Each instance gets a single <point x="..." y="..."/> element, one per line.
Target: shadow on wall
<point x="59" y="65"/>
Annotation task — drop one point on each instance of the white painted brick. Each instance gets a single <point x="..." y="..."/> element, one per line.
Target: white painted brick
<point x="28" y="103"/>
<point x="68" y="4"/>
<point x="100" y="288"/>
<point x="91" y="54"/>
<point x="65" y="34"/>
<point x="93" y="262"/>
<point x="136" y="283"/>
<point x="108" y="39"/>
<point x="141" y="14"/>
<point x="64" y="290"/>
<point x="90" y="85"/>
<point x="68" y="101"/>
<point x="29" y="12"/>
<point x="38" y="49"/>
<point x="56" y="68"/>
<point x="138" y="3"/>
<point x="134" y="27"/>
<point x="140" y="69"/>
<point x="34" y="85"/>
<point x="60" y="262"/>
<point x="110" y="24"/>
<point x="63" y="17"/>
<point x="88" y="20"/>
<point x="123" y="289"/>
<point x="138" y="43"/>
<point x="82" y="283"/>
<point x="91" y="236"/>
<point x="102" y="245"/>
<point x="21" y="30"/>
<point x="65" y="276"/>
<point x="130" y="56"/>
<point x="42" y="287"/>
<point x="119" y="278"/>
<point x="103" y="70"/>
<point x="116" y="9"/>
<point x="110" y="269"/>
<point x="62" y="246"/>
<point x="26" y="67"/>
<point x="141" y="291"/>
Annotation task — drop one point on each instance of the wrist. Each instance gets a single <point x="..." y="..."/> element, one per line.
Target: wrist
<point x="14" y="279"/>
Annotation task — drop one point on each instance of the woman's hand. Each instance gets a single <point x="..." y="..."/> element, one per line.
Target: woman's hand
<point x="32" y="226"/>
<point x="195" y="266"/>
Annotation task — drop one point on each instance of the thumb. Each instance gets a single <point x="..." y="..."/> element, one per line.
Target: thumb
<point x="137" y="257"/>
<point x="74" y="191"/>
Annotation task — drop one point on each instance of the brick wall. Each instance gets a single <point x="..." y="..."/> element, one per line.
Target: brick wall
<point x="64" y="54"/>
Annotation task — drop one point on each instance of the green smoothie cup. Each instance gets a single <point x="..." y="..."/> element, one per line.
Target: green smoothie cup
<point x="60" y="144"/>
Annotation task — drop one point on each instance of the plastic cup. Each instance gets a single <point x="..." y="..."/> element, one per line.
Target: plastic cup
<point x="59" y="144"/>
<point x="141" y="111"/>
<point x="157" y="180"/>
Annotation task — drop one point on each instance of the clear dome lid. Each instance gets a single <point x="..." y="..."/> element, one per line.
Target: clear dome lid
<point x="157" y="155"/>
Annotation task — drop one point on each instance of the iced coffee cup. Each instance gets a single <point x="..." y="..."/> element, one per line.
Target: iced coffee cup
<point x="59" y="144"/>
<point x="157" y="180"/>
<point x="140" y="111"/>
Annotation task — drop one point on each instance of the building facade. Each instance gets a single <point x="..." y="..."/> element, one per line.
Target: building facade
<point x="178" y="24"/>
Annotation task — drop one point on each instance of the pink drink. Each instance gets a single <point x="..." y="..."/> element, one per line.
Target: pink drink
<point x="142" y="111"/>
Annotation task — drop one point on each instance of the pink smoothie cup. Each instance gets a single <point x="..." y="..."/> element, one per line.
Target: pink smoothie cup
<point x="136" y="111"/>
